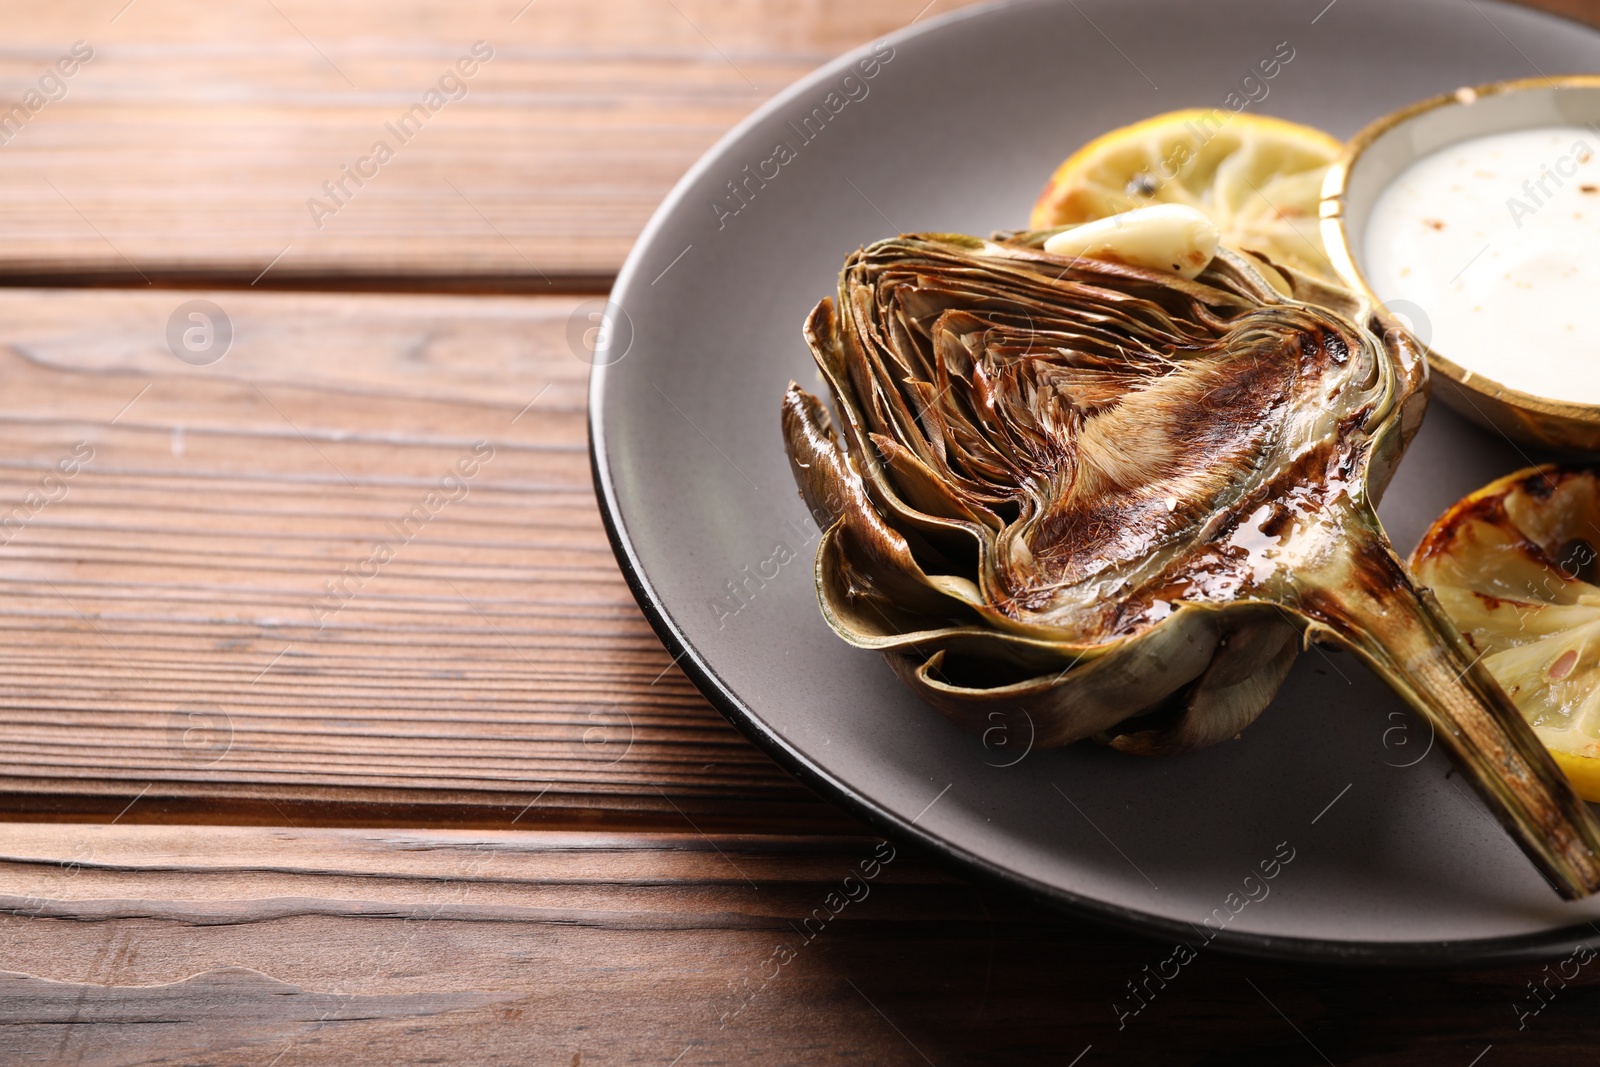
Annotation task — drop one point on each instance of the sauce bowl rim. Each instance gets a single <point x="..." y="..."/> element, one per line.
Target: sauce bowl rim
<point x="1336" y="238"/>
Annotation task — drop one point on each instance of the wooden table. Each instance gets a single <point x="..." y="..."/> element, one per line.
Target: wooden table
<point x="271" y="799"/>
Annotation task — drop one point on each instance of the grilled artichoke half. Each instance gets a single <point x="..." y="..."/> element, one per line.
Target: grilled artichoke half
<point x="1118" y="500"/>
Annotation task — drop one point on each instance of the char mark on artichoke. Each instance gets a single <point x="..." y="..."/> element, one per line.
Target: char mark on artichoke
<point x="1118" y="500"/>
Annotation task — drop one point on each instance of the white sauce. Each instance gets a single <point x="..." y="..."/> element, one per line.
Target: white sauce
<point x="1491" y="250"/>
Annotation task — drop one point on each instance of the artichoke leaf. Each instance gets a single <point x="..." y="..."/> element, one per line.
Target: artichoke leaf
<point x="1106" y="688"/>
<point x="873" y="558"/>
<point x="1240" y="681"/>
<point x="1112" y="497"/>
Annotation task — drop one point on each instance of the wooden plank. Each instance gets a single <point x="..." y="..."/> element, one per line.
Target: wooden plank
<point x="169" y="630"/>
<point x="188" y="148"/>
<point x="186" y="945"/>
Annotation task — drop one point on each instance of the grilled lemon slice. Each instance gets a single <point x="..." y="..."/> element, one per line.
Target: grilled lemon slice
<point x="1258" y="178"/>
<point x="1516" y="566"/>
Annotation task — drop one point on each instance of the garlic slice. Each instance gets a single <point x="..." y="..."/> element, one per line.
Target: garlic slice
<point x="1167" y="237"/>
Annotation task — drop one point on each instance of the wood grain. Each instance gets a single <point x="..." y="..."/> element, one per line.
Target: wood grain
<point x="169" y="633"/>
<point x="170" y="671"/>
<point x="210" y="945"/>
<point x="187" y="149"/>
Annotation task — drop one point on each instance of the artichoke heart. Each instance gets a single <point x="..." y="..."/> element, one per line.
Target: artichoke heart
<point x="1118" y="499"/>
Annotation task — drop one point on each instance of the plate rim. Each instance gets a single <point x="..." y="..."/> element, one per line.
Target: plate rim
<point x="1474" y="952"/>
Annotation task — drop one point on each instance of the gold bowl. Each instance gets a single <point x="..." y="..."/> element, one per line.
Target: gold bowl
<point x="1380" y="153"/>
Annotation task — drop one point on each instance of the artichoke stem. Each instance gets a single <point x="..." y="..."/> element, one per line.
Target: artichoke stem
<point x="1377" y="611"/>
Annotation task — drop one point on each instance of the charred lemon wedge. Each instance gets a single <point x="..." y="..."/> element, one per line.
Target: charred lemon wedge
<point x="1516" y="566"/>
<point x="1258" y="178"/>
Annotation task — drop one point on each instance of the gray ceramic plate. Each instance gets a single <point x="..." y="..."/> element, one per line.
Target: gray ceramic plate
<point x="1392" y="859"/>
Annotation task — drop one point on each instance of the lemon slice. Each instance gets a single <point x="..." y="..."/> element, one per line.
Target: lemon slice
<point x="1514" y="565"/>
<point x="1258" y="178"/>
